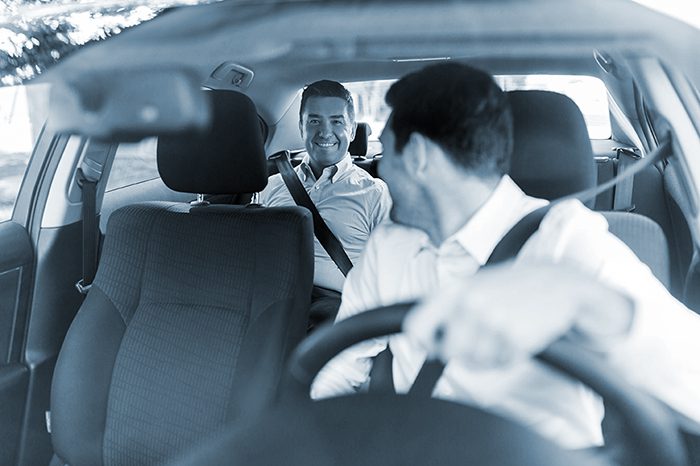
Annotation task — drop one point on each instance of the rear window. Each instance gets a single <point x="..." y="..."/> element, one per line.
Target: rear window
<point x="588" y="92"/>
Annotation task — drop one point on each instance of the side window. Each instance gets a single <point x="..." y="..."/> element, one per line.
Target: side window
<point x="133" y="163"/>
<point x="23" y="112"/>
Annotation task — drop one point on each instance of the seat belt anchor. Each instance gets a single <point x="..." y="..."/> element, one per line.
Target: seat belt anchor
<point x="82" y="287"/>
<point x="279" y="155"/>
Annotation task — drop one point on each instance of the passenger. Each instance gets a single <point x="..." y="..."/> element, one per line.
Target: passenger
<point x="350" y="201"/>
<point x="447" y="147"/>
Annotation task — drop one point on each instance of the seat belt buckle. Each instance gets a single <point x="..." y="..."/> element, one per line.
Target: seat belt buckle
<point x="82" y="287"/>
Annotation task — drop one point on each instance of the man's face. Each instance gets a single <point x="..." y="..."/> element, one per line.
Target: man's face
<point x="392" y="168"/>
<point x="327" y="130"/>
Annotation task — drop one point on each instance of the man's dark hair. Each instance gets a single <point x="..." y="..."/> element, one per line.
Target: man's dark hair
<point x="328" y="88"/>
<point x="459" y="108"/>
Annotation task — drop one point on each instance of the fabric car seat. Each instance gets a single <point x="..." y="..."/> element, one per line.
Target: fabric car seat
<point x="552" y="157"/>
<point x="358" y="149"/>
<point x="193" y="311"/>
<point x="360" y="143"/>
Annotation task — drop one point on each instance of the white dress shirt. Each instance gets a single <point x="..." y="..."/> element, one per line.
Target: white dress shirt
<point x="400" y="264"/>
<point x="351" y="203"/>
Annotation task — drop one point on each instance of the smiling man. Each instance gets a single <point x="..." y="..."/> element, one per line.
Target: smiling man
<point x="350" y="200"/>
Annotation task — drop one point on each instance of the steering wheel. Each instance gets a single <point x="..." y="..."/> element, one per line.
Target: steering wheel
<point x="399" y="429"/>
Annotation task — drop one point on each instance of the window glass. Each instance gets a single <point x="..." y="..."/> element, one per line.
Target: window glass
<point x="588" y="92"/>
<point x="23" y="112"/>
<point x="133" y="163"/>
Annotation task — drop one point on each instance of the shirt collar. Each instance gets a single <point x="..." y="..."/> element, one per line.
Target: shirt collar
<point x="334" y="171"/>
<point x="483" y="231"/>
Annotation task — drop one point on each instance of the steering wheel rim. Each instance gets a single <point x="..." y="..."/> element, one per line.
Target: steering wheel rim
<point x="650" y="427"/>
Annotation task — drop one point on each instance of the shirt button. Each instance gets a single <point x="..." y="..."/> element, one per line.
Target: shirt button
<point x="316" y="187"/>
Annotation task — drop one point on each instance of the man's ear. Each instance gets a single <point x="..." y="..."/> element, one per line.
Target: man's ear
<point x="353" y="131"/>
<point x="301" y="128"/>
<point x="416" y="157"/>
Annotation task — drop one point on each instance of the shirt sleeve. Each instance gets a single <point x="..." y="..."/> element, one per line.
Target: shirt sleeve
<point x="348" y="371"/>
<point x="264" y="196"/>
<point x="383" y="206"/>
<point x="659" y="351"/>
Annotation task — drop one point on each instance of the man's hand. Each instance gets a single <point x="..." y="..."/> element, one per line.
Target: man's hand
<point x="511" y="312"/>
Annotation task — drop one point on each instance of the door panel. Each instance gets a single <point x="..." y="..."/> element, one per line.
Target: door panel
<point x="15" y="268"/>
<point x="14" y="379"/>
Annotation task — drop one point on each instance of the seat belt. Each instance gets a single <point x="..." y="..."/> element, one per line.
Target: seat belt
<point x="88" y="176"/>
<point x="505" y="250"/>
<point x="514" y="240"/>
<point x="324" y="235"/>
<point x="622" y="197"/>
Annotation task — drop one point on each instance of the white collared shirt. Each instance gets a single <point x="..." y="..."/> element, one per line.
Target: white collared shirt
<point x="351" y="202"/>
<point x="400" y="264"/>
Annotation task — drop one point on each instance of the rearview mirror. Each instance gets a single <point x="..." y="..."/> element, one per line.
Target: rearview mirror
<point x="128" y="104"/>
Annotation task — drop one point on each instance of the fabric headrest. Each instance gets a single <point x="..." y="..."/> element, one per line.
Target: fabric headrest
<point x="229" y="158"/>
<point x="358" y="146"/>
<point x="552" y="154"/>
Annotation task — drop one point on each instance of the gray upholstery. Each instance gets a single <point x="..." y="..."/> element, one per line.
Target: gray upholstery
<point x="188" y="324"/>
<point x="229" y="158"/>
<point x="358" y="146"/>
<point x="646" y="238"/>
<point x="552" y="158"/>
<point x="552" y="154"/>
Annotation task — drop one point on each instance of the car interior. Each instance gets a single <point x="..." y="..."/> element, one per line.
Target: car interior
<point x="179" y="350"/>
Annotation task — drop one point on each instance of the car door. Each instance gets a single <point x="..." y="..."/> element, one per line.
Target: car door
<point x="23" y="110"/>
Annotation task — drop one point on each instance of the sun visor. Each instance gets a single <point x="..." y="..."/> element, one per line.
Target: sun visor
<point x="128" y="104"/>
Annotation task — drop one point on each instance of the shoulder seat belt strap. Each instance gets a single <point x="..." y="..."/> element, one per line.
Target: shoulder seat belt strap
<point x="325" y="236"/>
<point x="506" y="249"/>
<point x="88" y="185"/>
<point x="622" y="196"/>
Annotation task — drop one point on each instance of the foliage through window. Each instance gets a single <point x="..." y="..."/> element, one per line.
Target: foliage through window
<point x="23" y="112"/>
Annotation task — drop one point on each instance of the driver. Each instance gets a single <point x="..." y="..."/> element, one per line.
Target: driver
<point x="447" y="148"/>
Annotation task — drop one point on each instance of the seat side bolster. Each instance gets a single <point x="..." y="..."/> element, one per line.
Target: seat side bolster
<point x="80" y="389"/>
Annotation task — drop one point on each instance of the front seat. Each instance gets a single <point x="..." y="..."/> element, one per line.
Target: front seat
<point x="552" y="158"/>
<point x="193" y="311"/>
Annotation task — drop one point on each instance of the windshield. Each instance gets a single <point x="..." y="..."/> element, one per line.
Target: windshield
<point x="36" y="34"/>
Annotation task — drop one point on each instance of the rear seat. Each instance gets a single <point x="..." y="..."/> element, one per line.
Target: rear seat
<point x="651" y="197"/>
<point x="358" y="150"/>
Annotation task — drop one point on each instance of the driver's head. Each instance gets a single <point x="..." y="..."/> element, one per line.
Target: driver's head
<point x="458" y="107"/>
<point x="447" y="111"/>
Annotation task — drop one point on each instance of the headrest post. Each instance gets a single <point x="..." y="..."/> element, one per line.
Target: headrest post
<point x="200" y="201"/>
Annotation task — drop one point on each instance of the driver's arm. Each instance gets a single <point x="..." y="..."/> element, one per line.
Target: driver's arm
<point x="572" y="278"/>
<point x="350" y="369"/>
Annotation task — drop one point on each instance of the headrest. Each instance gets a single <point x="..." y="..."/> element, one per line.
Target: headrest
<point x="229" y="158"/>
<point x="358" y="146"/>
<point x="552" y="154"/>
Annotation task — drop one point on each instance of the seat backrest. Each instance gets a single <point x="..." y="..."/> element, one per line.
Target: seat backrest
<point x="645" y="238"/>
<point x="193" y="311"/>
<point x="552" y="154"/>
<point x="552" y="158"/>
<point x="358" y="146"/>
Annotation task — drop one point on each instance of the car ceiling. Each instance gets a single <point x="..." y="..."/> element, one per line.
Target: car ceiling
<point x="288" y="45"/>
